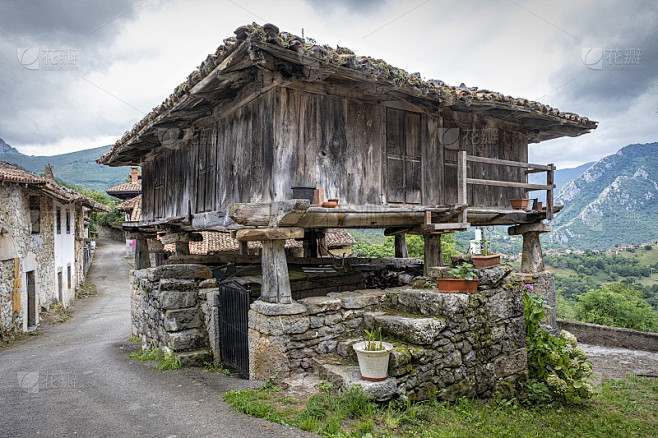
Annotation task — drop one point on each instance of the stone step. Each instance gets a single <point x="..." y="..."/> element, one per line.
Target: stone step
<point x="343" y="376"/>
<point x="415" y="330"/>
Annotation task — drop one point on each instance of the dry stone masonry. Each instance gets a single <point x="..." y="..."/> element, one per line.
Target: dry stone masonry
<point x="446" y="345"/>
<point x="170" y="311"/>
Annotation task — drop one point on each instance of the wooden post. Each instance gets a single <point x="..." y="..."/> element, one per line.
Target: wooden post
<point x="182" y="248"/>
<point x="550" y="177"/>
<point x="142" y="259"/>
<point x="531" y="259"/>
<point x="462" y="192"/>
<point x="401" y="246"/>
<point x="433" y="254"/>
<point x="310" y="244"/>
<point x="276" y="282"/>
<point x="244" y="248"/>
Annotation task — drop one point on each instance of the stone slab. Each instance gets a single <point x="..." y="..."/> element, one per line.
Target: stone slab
<point x="422" y="331"/>
<point x="345" y="376"/>
<point x="274" y="309"/>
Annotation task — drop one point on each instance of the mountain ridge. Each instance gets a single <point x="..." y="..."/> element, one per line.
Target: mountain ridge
<point x="78" y="168"/>
<point x="613" y="202"/>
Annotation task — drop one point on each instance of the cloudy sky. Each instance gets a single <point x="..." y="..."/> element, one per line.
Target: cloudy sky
<point x="78" y="74"/>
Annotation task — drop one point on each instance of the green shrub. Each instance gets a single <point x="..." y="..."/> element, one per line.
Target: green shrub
<point x="617" y="305"/>
<point x="555" y="364"/>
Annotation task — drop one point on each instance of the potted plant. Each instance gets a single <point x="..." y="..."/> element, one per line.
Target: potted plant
<point x="519" y="203"/>
<point x="373" y="356"/>
<point x="486" y="258"/>
<point x="463" y="280"/>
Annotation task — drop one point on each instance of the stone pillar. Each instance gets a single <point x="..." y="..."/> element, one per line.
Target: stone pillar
<point x="433" y="253"/>
<point x="531" y="259"/>
<point x="401" y="251"/>
<point x="532" y="267"/>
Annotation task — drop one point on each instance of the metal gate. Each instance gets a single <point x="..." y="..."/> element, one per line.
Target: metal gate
<point x="233" y="305"/>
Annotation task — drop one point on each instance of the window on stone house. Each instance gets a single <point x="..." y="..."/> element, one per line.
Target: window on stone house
<point x="35" y="214"/>
<point x="68" y="276"/>
<point x="58" y="221"/>
<point x="68" y="221"/>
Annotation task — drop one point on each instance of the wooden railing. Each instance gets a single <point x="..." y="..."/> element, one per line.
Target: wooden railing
<point x="464" y="180"/>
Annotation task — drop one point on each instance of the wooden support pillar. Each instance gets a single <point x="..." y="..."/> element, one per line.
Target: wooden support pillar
<point x="276" y="282"/>
<point x="401" y="246"/>
<point x="244" y="248"/>
<point x="310" y="243"/>
<point x="532" y="259"/>
<point x="182" y="248"/>
<point x="142" y="259"/>
<point x="433" y="254"/>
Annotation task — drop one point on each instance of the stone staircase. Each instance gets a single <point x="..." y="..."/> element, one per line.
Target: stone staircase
<point x="416" y="338"/>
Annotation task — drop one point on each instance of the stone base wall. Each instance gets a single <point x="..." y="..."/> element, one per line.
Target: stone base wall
<point x="451" y="345"/>
<point x="169" y="309"/>
<point x="615" y="337"/>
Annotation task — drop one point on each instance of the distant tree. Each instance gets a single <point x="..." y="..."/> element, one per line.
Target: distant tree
<point x="648" y="247"/>
<point x="617" y="305"/>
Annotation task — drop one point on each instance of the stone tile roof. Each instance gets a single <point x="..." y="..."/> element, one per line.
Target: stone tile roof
<point x="11" y="173"/>
<point x="376" y="70"/>
<point x="129" y="205"/>
<point x="49" y="187"/>
<point x="129" y="187"/>
<point x="217" y="242"/>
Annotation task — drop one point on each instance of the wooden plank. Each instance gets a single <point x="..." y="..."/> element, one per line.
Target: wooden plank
<point x="264" y="234"/>
<point x="276" y="281"/>
<point x="278" y="213"/>
<point x="181" y="237"/>
<point x="401" y="251"/>
<point x="460" y="226"/>
<point x="509" y="163"/>
<point x="433" y="252"/>
<point x="462" y="177"/>
<point x="528" y="187"/>
<point x="142" y="258"/>
<point x="549" y="193"/>
<point x="214" y="259"/>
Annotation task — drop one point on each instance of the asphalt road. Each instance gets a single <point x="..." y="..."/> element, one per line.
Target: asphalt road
<point x="75" y="378"/>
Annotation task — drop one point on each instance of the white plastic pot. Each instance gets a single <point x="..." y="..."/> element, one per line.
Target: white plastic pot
<point x="373" y="364"/>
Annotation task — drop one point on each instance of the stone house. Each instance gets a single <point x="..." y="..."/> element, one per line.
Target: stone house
<point x="43" y="244"/>
<point x="269" y="114"/>
<point x="130" y="192"/>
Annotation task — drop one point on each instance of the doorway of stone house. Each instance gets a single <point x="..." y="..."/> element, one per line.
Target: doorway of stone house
<point x="59" y="286"/>
<point x="31" y="300"/>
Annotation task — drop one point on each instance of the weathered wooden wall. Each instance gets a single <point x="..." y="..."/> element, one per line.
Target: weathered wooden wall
<point x="362" y="152"/>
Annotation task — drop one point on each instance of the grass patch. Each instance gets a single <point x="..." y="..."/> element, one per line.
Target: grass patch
<point x="88" y="290"/>
<point x="134" y="339"/>
<point x="55" y="315"/>
<point x="215" y="368"/>
<point x="164" y="361"/>
<point x="619" y="408"/>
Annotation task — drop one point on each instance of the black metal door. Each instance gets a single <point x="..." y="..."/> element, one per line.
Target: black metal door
<point x="234" y="302"/>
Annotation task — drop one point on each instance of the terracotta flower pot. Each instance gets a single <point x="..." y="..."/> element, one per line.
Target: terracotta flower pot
<point x="519" y="203"/>
<point x="540" y="206"/>
<point x="486" y="261"/>
<point x="457" y="285"/>
<point x="330" y="204"/>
